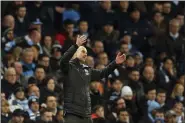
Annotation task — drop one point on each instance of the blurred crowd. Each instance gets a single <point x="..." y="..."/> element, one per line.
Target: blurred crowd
<point x="147" y="88"/>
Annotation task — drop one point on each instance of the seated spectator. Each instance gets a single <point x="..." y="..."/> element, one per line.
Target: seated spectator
<point x="135" y="84"/>
<point x="98" y="112"/>
<point x="36" y="51"/>
<point x="33" y="90"/>
<point x="159" y="115"/>
<point x="21" y="21"/>
<point x="161" y="98"/>
<point x="47" y="45"/>
<point x="167" y="75"/>
<point x="97" y="48"/>
<point x="37" y="24"/>
<point x="5" y="111"/>
<point x="167" y="11"/>
<point x="67" y="33"/>
<point x="8" y="22"/>
<point x="19" y="74"/>
<point x="103" y="58"/>
<point x="83" y="28"/>
<point x="170" y="117"/>
<point x="178" y="109"/>
<point x="138" y="60"/>
<point x="18" y="100"/>
<point x="124" y="117"/>
<point x="90" y="61"/>
<point x="39" y="75"/>
<point x="17" y="116"/>
<point x="33" y="110"/>
<point x="17" y="53"/>
<point x="45" y="116"/>
<point x="181" y="79"/>
<point x="27" y="62"/>
<point x="49" y="87"/>
<point x="44" y="60"/>
<point x="9" y="84"/>
<point x="96" y="96"/>
<point x="180" y="17"/>
<point x="59" y="116"/>
<point x="51" y="104"/>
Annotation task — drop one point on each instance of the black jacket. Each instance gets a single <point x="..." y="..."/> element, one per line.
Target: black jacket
<point x="76" y="85"/>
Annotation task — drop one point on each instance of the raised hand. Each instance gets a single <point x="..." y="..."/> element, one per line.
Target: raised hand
<point x="81" y="39"/>
<point x="120" y="58"/>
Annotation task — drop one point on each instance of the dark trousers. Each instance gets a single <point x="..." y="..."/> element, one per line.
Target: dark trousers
<point x="70" y="118"/>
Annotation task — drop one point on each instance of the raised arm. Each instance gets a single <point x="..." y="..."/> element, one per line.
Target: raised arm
<point x="99" y="74"/>
<point x="64" y="61"/>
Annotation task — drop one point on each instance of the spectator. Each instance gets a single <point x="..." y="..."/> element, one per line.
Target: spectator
<point x="51" y="103"/>
<point x="167" y="75"/>
<point x="9" y="83"/>
<point x="98" y="112"/>
<point x="161" y="99"/>
<point x="83" y="28"/>
<point x="167" y="11"/>
<point x="149" y="62"/>
<point x="17" y="53"/>
<point x="60" y="115"/>
<point x="39" y="75"/>
<point x="180" y="17"/>
<point x="36" y="50"/>
<point x="37" y="24"/>
<point x="170" y="117"/>
<point x="21" y="21"/>
<point x="103" y="58"/>
<point x="96" y="96"/>
<point x="135" y="84"/>
<point x="34" y="90"/>
<point x="17" y="116"/>
<point x="44" y="60"/>
<point x="159" y="115"/>
<point x="18" y="100"/>
<point x="90" y="61"/>
<point x="27" y="62"/>
<point x="157" y="6"/>
<point x="46" y="116"/>
<point x="148" y="77"/>
<point x="124" y="117"/>
<point x="19" y="73"/>
<point x="138" y="60"/>
<point x="47" y="45"/>
<point x="172" y="42"/>
<point x="33" y="110"/>
<point x="67" y="33"/>
<point x="178" y="109"/>
<point x="5" y="111"/>
<point x="97" y="48"/>
<point x="8" y="22"/>
<point x="32" y="81"/>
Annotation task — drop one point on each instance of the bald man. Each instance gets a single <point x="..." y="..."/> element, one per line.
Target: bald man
<point x="9" y="21"/>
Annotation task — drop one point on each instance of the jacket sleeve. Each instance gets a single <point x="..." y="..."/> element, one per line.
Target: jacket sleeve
<point x="99" y="74"/>
<point x="64" y="61"/>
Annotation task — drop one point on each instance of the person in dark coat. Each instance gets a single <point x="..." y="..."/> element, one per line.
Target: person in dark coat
<point x="9" y="83"/>
<point x="161" y="99"/>
<point x="77" y="76"/>
<point x="5" y="111"/>
<point x="124" y="117"/>
<point x="21" y="21"/>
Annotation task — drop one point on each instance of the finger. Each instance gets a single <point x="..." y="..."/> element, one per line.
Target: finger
<point x="119" y="53"/>
<point x="83" y="36"/>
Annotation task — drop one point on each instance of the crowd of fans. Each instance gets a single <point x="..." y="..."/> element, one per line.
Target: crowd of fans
<point x="147" y="88"/>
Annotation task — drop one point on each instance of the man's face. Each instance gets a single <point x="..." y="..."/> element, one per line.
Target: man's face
<point x="10" y="35"/>
<point x="45" y="61"/>
<point x="11" y="76"/>
<point x="168" y="64"/>
<point x="21" y="12"/>
<point x="108" y="28"/>
<point x="158" y="17"/>
<point x="124" y="48"/>
<point x="18" y="119"/>
<point x="124" y="116"/>
<point x="174" y="27"/>
<point x="28" y="57"/>
<point x="47" y="40"/>
<point x="134" y="75"/>
<point x="172" y="119"/>
<point x="60" y="115"/>
<point x="100" y="112"/>
<point x="35" y="106"/>
<point x="149" y="73"/>
<point x="167" y="8"/>
<point x="149" y="62"/>
<point x="5" y="108"/>
<point x="106" y="5"/>
<point x="181" y="19"/>
<point x="82" y="54"/>
<point x="94" y="86"/>
<point x="161" y="98"/>
<point x="34" y="90"/>
<point x="51" y="102"/>
<point x="117" y="85"/>
<point x="159" y="115"/>
<point x="9" y="21"/>
<point x="18" y="68"/>
<point x="90" y="61"/>
<point x="47" y="116"/>
<point x="178" y="109"/>
<point x="103" y="59"/>
<point x="135" y="15"/>
<point x="130" y="62"/>
<point x="70" y="28"/>
<point x="158" y="7"/>
<point x="98" y="48"/>
<point x="39" y="74"/>
<point x="83" y="27"/>
<point x="121" y="104"/>
<point x="151" y="95"/>
<point x="138" y="59"/>
<point x="124" y="4"/>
